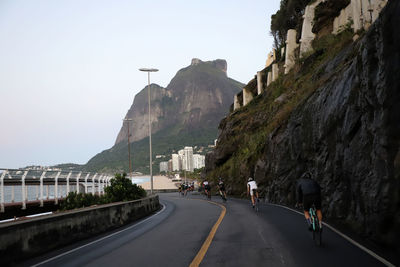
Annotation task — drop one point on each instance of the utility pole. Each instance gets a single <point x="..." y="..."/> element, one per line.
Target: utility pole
<point x="129" y="148"/>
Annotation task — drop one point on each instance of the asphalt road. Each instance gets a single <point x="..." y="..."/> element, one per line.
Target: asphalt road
<point x="274" y="236"/>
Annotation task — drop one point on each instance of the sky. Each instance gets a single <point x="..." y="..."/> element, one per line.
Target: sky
<point x="69" y="68"/>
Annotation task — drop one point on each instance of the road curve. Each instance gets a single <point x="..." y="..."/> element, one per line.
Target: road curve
<point x="272" y="237"/>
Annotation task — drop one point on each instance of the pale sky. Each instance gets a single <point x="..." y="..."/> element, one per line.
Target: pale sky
<point x="69" y="68"/>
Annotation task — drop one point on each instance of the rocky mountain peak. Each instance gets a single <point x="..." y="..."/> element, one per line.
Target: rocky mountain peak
<point x="198" y="96"/>
<point x="196" y="61"/>
<point x="220" y="64"/>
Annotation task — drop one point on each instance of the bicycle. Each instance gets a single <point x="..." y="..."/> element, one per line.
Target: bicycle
<point x="256" y="200"/>
<point x="207" y="192"/>
<point x="222" y="195"/>
<point x="316" y="230"/>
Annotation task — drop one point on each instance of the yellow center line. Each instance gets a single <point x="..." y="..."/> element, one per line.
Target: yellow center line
<point x="203" y="250"/>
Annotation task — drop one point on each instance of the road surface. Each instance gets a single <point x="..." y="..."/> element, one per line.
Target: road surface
<point x="274" y="236"/>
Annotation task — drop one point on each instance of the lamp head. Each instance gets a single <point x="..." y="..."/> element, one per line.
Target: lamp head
<point x="148" y="70"/>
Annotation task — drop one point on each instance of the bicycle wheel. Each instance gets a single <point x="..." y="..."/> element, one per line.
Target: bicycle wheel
<point x="223" y="197"/>
<point x="256" y="204"/>
<point x="318" y="236"/>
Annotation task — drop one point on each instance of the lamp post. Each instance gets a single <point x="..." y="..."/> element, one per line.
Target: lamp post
<point x="129" y="148"/>
<point x="151" y="155"/>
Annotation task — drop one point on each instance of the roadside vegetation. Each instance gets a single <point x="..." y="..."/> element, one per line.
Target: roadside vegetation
<point x="250" y="126"/>
<point x="121" y="189"/>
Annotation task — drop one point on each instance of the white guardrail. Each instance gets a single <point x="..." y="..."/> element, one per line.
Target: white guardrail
<point x="56" y="183"/>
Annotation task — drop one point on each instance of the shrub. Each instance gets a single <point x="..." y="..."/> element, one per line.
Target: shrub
<point x="122" y="189"/>
<point x="79" y="200"/>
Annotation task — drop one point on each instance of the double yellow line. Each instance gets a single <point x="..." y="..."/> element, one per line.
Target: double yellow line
<point x="203" y="250"/>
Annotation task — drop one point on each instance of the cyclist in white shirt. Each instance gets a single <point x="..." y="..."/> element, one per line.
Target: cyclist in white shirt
<point x="252" y="190"/>
<point x="207" y="187"/>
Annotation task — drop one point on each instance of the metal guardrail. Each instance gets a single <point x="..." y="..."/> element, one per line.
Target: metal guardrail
<point x="72" y="180"/>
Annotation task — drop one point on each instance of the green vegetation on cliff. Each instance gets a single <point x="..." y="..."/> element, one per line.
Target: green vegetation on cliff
<point x="163" y="143"/>
<point x="250" y="126"/>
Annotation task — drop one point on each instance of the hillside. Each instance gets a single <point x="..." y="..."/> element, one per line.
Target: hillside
<point x="185" y="113"/>
<point x="335" y="114"/>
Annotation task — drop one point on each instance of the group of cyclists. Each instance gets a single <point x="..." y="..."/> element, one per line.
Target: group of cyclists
<point x="221" y="189"/>
<point x="184" y="188"/>
<point x="307" y="189"/>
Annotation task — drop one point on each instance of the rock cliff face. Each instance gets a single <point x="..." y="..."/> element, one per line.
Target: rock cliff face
<point x="187" y="112"/>
<point x="346" y="132"/>
<point x="198" y="96"/>
<point x="138" y="112"/>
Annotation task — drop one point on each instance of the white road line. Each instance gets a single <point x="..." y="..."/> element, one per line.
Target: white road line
<point x="98" y="240"/>
<point x="355" y="243"/>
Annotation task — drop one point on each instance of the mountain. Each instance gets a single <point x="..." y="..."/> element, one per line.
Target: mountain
<point x="337" y="115"/>
<point x="185" y="113"/>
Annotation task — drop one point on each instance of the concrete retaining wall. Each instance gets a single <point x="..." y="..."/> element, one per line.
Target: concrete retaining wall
<point x="25" y="239"/>
<point x="157" y="191"/>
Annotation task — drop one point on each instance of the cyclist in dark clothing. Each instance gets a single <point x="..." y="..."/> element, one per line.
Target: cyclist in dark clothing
<point x="308" y="193"/>
<point x="221" y="187"/>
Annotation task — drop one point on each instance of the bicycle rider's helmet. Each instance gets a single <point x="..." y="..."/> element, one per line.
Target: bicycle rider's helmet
<point x="307" y="175"/>
<point x="250" y="179"/>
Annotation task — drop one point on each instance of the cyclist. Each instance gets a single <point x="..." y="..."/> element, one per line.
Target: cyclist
<point x="308" y="193"/>
<point x="185" y="189"/>
<point x="221" y="187"/>
<point x="192" y="187"/>
<point x="182" y="189"/>
<point x="207" y="187"/>
<point x="252" y="190"/>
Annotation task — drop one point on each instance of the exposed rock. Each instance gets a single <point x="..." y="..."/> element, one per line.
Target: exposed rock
<point x="198" y="96"/>
<point x="326" y="12"/>
<point x="281" y="98"/>
<point x="138" y="112"/>
<point x="221" y="64"/>
<point x="195" y="61"/>
<point x="187" y="112"/>
<point x="347" y="133"/>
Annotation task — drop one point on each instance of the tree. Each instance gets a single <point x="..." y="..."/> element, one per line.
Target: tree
<point x="289" y="16"/>
<point x="122" y="189"/>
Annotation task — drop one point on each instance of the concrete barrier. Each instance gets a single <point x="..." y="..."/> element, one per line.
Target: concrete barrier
<point x="24" y="239"/>
<point x="157" y="191"/>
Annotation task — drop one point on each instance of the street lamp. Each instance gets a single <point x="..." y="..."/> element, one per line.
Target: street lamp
<point x="129" y="148"/>
<point x="151" y="155"/>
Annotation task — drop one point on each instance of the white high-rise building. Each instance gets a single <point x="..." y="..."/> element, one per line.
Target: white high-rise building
<point x="163" y="166"/>
<point x="176" y="166"/>
<point x="198" y="161"/>
<point x="182" y="160"/>
<point x="188" y="156"/>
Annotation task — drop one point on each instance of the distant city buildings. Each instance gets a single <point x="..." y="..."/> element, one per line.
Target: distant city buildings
<point x="176" y="163"/>
<point x="187" y="159"/>
<point x="198" y="161"/>
<point x="184" y="160"/>
<point x="163" y="166"/>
